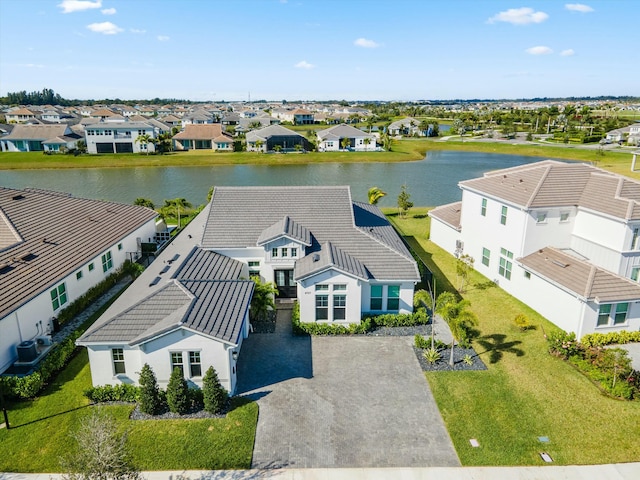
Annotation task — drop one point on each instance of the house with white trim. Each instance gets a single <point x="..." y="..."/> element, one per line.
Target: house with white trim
<point x="331" y="139"/>
<point x="39" y="138"/>
<point x="561" y="237"/>
<point x="53" y="248"/>
<point x="119" y="137"/>
<point x="203" y="137"/>
<point x="340" y="259"/>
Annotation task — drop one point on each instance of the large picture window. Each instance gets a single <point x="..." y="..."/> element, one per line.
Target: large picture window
<point x="107" y="262"/>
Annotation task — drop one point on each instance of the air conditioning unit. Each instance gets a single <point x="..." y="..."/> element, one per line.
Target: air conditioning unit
<point x="27" y="351"/>
<point x="44" y="340"/>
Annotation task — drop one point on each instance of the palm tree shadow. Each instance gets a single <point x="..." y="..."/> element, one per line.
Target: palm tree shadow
<point x="497" y="346"/>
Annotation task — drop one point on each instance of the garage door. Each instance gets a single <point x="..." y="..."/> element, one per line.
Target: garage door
<point x="104" y="147"/>
<point x="124" y="147"/>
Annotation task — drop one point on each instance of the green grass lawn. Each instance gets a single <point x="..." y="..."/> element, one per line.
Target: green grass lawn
<point x="40" y="429"/>
<point x="525" y="393"/>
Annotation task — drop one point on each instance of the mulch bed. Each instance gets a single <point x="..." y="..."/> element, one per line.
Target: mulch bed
<point x="266" y="324"/>
<point x="167" y="415"/>
<point x="443" y="363"/>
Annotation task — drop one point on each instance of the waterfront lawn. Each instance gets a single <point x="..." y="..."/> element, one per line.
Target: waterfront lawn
<point x="40" y="430"/>
<point x="525" y="393"/>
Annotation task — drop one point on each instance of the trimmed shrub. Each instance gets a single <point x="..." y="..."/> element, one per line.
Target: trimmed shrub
<point x="149" y="399"/>
<point x="214" y="395"/>
<point x="523" y="322"/>
<point x="113" y="393"/>
<point x="611" y="338"/>
<point x="178" y="393"/>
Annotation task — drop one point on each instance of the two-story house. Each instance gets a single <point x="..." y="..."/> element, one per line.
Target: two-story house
<point x="119" y="137"/>
<point x="561" y="237"/>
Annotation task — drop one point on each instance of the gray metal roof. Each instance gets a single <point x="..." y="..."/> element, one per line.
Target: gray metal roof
<point x="285" y="228"/>
<point x="270" y="131"/>
<point x="37" y="132"/>
<point x="61" y="232"/>
<point x="239" y="215"/>
<point x="342" y="131"/>
<point x="328" y="257"/>
<point x="207" y="265"/>
<point x="580" y="277"/>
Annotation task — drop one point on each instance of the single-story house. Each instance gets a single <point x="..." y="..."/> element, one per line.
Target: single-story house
<point x="46" y="263"/>
<point x="38" y="138"/>
<point x="331" y="139"/>
<point x="203" y="137"/>
<point x="273" y="138"/>
<point x="406" y="126"/>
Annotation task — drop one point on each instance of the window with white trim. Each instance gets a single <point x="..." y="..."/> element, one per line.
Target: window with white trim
<point x="504" y="270"/>
<point x="283" y="252"/>
<point x="322" y="307"/>
<point x="274" y="252"/>
<point x="117" y="355"/>
<point x="483" y="208"/>
<point x="634" y="239"/>
<point x="58" y="296"/>
<point x="294" y="252"/>
<point x="503" y="215"/>
<point x="195" y="365"/>
<point x="176" y="361"/>
<point x="393" y="297"/>
<point x="612" y="314"/>
<point x="107" y="262"/>
<point x="376" y="297"/>
<point x="254" y="268"/>
<point x="78" y="274"/>
<point x="635" y="273"/>
<point x="339" y="307"/>
<point x="486" y="255"/>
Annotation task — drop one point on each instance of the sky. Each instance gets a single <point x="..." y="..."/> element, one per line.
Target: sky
<point x="234" y="50"/>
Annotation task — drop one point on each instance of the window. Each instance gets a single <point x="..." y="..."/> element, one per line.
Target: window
<point x="340" y="287"/>
<point x="91" y="267"/>
<point x="254" y="268"/>
<point x="142" y="132"/>
<point x="634" y="239"/>
<point x="176" y="361"/>
<point x="603" y="315"/>
<point x="322" y="288"/>
<point x="283" y="252"/>
<point x="322" y="307"/>
<point x="483" y="209"/>
<point x="634" y="273"/>
<point x="393" y="297"/>
<point x="541" y="217"/>
<point x="274" y="252"/>
<point x="118" y="361"/>
<point x="376" y="297"/>
<point x="120" y="246"/>
<point x="527" y="275"/>
<point x="620" y="316"/>
<point x="195" y="366"/>
<point x="504" y="269"/>
<point x="503" y="216"/>
<point x="294" y="252"/>
<point x="486" y="254"/>
<point x="564" y="216"/>
<point x="78" y="274"/>
<point x="107" y="262"/>
<point x="339" y="307"/>
<point x="58" y="296"/>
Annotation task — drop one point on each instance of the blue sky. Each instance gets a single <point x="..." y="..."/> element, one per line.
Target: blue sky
<point x="319" y="49"/>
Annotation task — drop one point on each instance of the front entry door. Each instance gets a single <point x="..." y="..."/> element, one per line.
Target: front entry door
<point x="285" y="283"/>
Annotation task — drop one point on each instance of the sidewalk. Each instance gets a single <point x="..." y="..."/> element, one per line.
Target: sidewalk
<point x="623" y="471"/>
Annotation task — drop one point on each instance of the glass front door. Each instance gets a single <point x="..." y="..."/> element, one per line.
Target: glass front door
<point x="285" y="283"/>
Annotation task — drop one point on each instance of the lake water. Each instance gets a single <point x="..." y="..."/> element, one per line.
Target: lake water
<point x="432" y="181"/>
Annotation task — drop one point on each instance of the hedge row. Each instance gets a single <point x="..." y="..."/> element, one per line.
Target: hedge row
<point x="611" y="338"/>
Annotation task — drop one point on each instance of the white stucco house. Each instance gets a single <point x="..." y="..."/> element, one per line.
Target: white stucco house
<point x="119" y="137"/>
<point x="339" y="258"/>
<point x="331" y="139"/>
<point x="39" y="138"/>
<point x="53" y="248"/>
<point x="561" y="237"/>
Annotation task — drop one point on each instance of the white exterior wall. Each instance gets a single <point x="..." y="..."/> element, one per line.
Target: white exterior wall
<point x="591" y="319"/>
<point x="406" y="297"/>
<point x="443" y="235"/>
<point x="601" y="240"/>
<point x="551" y="232"/>
<point x="34" y="318"/>
<point x="117" y="131"/>
<point x="307" y="295"/>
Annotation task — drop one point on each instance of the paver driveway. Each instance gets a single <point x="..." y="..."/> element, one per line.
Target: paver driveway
<point x="340" y="402"/>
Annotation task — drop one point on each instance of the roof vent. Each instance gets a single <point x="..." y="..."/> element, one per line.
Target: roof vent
<point x="5" y="267"/>
<point x="18" y="197"/>
<point x="316" y="257"/>
<point x="28" y="257"/>
<point x="559" y="263"/>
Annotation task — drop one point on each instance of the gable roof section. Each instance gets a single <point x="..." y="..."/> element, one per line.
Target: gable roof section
<point x="37" y="132"/>
<point x="580" y="277"/>
<point x="270" y="131"/>
<point x="448" y="214"/>
<point x="207" y="265"/>
<point x="9" y="236"/>
<point x="370" y="220"/>
<point x="201" y="132"/>
<point x="59" y="247"/>
<point x="285" y="228"/>
<point x="239" y="215"/>
<point x="342" y="131"/>
<point x="329" y="257"/>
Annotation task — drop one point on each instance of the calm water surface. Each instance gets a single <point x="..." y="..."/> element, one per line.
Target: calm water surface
<point x="432" y="181"/>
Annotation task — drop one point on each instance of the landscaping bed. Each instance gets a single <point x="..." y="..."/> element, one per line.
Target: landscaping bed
<point x="442" y="365"/>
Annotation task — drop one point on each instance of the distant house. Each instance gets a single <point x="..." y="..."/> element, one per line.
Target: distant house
<point x="406" y="126"/>
<point x="38" y="138"/>
<point x="562" y="238"/>
<point x="299" y="116"/>
<point x="198" y="117"/>
<point x="275" y="137"/>
<point x="629" y="134"/>
<point x="203" y="137"/>
<point x="20" y="115"/>
<point x="334" y="138"/>
<point x="46" y="264"/>
<point x="119" y="137"/>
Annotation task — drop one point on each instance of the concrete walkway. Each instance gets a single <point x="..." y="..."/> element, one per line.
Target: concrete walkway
<point x="623" y="471"/>
<point x="340" y="401"/>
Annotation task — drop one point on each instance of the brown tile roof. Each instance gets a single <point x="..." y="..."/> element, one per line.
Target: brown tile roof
<point x="208" y="131"/>
<point x="21" y="111"/>
<point x="552" y="184"/>
<point x="580" y="277"/>
<point x="449" y="214"/>
<point x="103" y="112"/>
<point x="61" y="233"/>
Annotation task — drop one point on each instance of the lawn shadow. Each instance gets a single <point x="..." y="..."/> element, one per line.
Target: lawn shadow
<point x="484" y="285"/>
<point x="31" y="422"/>
<point x="442" y="282"/>
<point x="497" y="345"/>
<point x="269" y="471"/>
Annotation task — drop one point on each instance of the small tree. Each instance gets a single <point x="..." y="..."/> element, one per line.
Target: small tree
<point x="144" y="202"/>
<point x="149" y="401"/>
<point x="144" y="141"/>
<point x="404" y="204"/>
<point x="215" y="396"/>
<point x="262" y="300"/>
<point x="375" y="194"/>
<point x="178" y="393"/>
<point x="460" y="320"/>
<point x="102" y="452"/>
<point x="345" y="142"/>
<point x="464" y="265"/>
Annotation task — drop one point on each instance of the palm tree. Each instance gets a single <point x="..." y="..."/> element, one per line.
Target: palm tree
<point x="435" y="305"/>
<point x="366" y="142"/>
<point x="375" y="194"/>
<point x="345" y="142"/>
<point x="144" y="141"/>
<point x="460" y="319"/>
<point x="262" y="300"/>
<point x="258" y="145"/>
<point x="176" y="204"/>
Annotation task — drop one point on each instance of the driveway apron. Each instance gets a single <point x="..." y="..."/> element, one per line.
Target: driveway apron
<point x="340" y="402"/>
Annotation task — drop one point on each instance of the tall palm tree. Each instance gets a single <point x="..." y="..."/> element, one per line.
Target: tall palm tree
<point x="460" y="319"/>
<point x="177" y="204"/>
<point x="375" y="194"/>
<point x="145" y="140"/>
<point x="366" y="142"/>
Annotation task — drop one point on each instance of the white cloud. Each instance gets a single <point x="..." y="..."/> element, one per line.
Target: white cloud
<point x="568" y="52"/>
<point x="539" y="50"/>
<point x="365" y="43"/>
<point x="106" y="28"/>
<point x="137" y="30"/>
<point x="519" y="16"/>
<point x="304" y="64"/>
<point x="70" y="6"/>
<point x="108" y="11"/>
<point x="162" y="38"/>
<point x="578" y="7"/>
